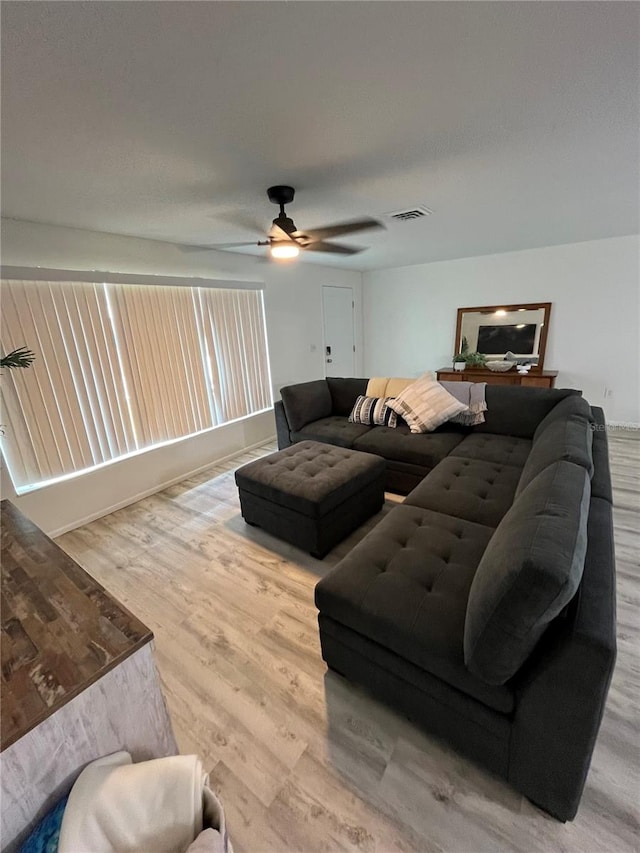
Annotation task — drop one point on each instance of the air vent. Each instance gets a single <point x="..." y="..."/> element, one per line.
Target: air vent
<point x="410" y="213"/>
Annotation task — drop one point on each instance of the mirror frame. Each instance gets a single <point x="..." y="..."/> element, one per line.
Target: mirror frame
<point x="491" y="309"/>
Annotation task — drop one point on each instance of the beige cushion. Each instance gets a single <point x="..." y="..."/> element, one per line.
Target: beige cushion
<point x="425" y="404"/>
<point x="387" y="386"/>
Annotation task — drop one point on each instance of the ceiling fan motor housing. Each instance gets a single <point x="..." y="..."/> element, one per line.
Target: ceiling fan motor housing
<point x="285" y="224"/>
<point x="281" y="194"/>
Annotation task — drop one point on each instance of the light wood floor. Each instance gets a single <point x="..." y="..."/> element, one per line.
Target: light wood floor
<point x="303" y="760"/>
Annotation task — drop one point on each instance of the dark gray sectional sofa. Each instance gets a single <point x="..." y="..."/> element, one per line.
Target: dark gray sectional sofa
<point x="484" y="605"/>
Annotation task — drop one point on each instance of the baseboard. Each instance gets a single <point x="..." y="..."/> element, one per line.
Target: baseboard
<point x="152" y="491"/>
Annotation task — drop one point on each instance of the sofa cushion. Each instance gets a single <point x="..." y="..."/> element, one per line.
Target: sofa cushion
<point x="517" y="410"/>
<point x="306" y="402"/>
<point x="344" y="393"/>
<point x="401" y="445"/>
<point x="309" y="477"/>
<point x="574" y="406"/>
<point x="569" y="438"/>
<point x="387" y="386"/>
<point x="373" y="411"/>
<point x="425" y="404"/>
<point x="468" y="488"/>
<point x="504" y="449"/>
<point x="405" y="586"/>
<point x="332" y="430"/>
<point x="529" y="572"/>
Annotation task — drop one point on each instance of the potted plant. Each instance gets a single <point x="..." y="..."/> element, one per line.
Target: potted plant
<point x="476" y="359"/>
<point x="459" y="360"/>
<point x="21" y="357"/>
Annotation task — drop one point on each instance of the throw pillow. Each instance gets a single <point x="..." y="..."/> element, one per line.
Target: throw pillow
<point x="373" y="411"/>
<point x="425" y="404"/>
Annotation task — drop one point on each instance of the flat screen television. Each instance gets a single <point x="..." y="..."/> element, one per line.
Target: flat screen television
<point x="497" y="340"/>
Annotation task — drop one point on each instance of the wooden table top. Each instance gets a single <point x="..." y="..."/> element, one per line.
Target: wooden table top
<point x="484" y="371"/>
<point x="61" y="630"/>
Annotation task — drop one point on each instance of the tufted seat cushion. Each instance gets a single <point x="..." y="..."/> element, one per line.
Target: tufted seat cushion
<point x="332" y="430"/>
<point x="468" y="488"/>
<point x="487" y="447"/>
<point x="401" y="445"/>
<point x="406" y="587"/>
<point x="309" y="477"/>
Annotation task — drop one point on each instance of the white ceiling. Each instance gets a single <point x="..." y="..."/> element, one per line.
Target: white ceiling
<point x="518" y="123"/>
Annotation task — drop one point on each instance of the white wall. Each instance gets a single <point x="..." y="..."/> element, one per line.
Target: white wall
<point x="594" y="333"/>
<point x="293" y="307"/>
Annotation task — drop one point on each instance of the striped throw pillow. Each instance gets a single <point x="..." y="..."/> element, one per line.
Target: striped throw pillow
<point x="425" y="404"/>
<point x="373" y="411"/>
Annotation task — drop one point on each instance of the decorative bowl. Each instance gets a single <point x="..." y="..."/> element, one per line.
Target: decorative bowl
<point x="500" y="366"/>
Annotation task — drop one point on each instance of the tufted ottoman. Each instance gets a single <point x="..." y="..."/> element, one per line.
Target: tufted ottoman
<point x="312" y="494"/>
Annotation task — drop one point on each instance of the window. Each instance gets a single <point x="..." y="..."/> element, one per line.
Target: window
<point x="123" y="367"/>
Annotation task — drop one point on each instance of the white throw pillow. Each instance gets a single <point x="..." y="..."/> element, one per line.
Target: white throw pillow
<point x="425" y="404"/>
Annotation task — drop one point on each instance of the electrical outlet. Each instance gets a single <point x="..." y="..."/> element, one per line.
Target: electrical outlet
<point x="608" y="392"/>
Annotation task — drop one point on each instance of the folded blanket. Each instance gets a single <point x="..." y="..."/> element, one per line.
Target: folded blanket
<point x="209" y="841"/>
<point x="472" y="394"/>
<point x="152" y="807"/>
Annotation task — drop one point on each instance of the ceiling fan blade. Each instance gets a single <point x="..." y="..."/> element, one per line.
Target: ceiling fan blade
<point x="339" y="229"/>
<point x="334" y="248"/>
<point x="215" y="246"/>
<point x="240" y="220"/>
<point x="277" y="233"/>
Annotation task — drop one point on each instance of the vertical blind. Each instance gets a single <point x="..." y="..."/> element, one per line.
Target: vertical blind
<point x="162" y="361"/>
<point x="240" y="374"/>
<point x="120" y="368"/>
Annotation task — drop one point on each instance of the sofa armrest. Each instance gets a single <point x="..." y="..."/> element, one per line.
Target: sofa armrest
<point x="561" y="693"/>
<point x="601" y="480"/>
<point x="306" y="402"/>
<point x="282" y="426"/>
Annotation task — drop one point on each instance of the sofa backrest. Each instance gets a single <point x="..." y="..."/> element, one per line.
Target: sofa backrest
<point x="306" y="402"/>
<point x="344" y="393"/>
<point x="568" y="436"/>
<point x="570" y="407"/>
<point x="387" y="386"/>
<point x="601" y="480"/>
<point x="511" y="410"/>
<point x="528" y="573"/>
<point x="517" y="410"/>
<point x="310" y="401"/>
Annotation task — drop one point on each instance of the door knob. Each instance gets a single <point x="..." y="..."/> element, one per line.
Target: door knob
<point x="329" y="361"/>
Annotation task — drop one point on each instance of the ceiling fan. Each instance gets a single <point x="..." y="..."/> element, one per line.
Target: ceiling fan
<point x="285" y="240"/>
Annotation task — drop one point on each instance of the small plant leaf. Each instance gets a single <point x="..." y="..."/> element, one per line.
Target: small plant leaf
<point x="21" y="357"/>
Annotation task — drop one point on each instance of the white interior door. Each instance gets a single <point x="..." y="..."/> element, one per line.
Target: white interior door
<point x="339" y="344"/>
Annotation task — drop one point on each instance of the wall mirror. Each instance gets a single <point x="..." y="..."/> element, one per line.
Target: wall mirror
<point x="496" y="330"/>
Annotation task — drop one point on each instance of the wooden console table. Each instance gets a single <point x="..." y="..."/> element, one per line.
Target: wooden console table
<point x="78" y="677"/>
<point x="533" y="379"/>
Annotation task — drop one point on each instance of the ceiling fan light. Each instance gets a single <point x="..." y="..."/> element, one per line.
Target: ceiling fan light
<point x="284" y="250"/>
